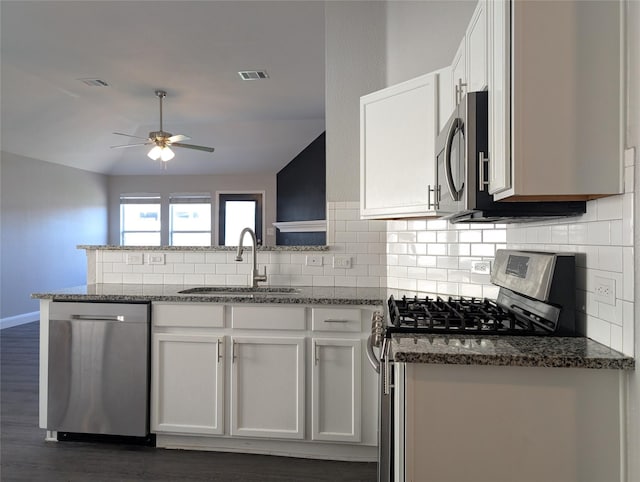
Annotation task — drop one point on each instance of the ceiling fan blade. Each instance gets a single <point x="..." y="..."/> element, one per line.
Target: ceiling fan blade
<point x="129" y="135"/>
<point x="191" y="146"/>
<point x="132" y="145"/>
<point x="178" y="138"/>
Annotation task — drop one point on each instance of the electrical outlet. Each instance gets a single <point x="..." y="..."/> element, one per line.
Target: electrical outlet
<point x="605" y="290"/>
<point x="155" y="258"/>
<point x="342" y="262"/>
<point x="134" y="258"/>
<point x="314" y="260"/>
<point x="481" y="267"/>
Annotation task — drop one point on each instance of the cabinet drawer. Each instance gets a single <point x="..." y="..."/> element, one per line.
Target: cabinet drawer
<point x="201" y="315"/>
<point x="336" y="319"/>
<point x="268" y="318"/>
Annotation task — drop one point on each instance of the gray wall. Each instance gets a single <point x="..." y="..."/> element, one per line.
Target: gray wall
<point x="423" y="36"/>
<point x="166" y="185"/>
<point x="370" y="45"/>
<point x="46" y="210"/>
<point x="355" y="66"/>
<point x="633" y="139"/>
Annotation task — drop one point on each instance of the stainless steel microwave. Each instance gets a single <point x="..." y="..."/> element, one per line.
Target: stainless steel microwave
<point x="461" y="192"/>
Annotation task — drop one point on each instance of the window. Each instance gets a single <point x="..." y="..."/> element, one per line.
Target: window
<point x="140" y="220"/>
<point x="190" y="220"/>
<point x="239" y="211"/>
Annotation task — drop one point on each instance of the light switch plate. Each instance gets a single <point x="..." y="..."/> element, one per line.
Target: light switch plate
<point x="155" y="258"/>
<point x="481" y="267"/>
<point x="134" y="258"/>
<point x="604" y="290"/>
<point x="314" y="260"/>
<point x="342" y="262"/>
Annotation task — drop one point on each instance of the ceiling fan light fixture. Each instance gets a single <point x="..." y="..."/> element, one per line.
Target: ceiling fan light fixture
<point x="155" y="153"/>
<point x="166" y="154"/>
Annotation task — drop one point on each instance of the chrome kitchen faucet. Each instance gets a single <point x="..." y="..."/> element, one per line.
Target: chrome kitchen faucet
<point x="255" y="276"/>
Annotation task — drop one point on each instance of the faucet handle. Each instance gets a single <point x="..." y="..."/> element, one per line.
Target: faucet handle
<point x="261" y="277"/>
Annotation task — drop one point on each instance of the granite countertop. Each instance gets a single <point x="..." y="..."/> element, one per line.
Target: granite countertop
<point x="110" y="247"/>
<point x="523" y="351"/>
<point x="170" y="293"/>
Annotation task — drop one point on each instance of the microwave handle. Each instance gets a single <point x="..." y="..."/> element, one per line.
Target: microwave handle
<point x="455" y="125"/>
<point x="482" y="160"/>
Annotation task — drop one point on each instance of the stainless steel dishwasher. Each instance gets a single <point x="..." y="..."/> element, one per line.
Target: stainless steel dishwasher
<point x="99" y="368"/>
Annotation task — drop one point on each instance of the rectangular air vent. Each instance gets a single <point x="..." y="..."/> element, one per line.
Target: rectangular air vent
<point x="253" y="74"/>
<point x="94" y="82"/>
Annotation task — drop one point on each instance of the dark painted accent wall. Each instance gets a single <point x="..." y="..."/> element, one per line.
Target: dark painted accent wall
<point x="301" y="194"/>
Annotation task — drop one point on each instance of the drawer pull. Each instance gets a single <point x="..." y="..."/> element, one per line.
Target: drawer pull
<point x="336" y="321"/>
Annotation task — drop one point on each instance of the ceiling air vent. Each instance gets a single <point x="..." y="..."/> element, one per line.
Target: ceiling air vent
<point x="253" y="74"/>
<point x="94" y="82"/>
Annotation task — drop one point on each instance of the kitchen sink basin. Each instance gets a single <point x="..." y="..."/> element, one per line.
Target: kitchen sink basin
<point x="238" y="291"/>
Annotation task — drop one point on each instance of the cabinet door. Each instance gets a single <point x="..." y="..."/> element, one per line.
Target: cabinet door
<point x="459" y="73"/>
<point x="187" y="384"/>
<point x="336" y="390"/>
<point x="476" y="49"/>
<point x="498" y="20"/>
<point x="446" y="101"/>
<point x="397" y="149"/>
<point x="267" y="387"/>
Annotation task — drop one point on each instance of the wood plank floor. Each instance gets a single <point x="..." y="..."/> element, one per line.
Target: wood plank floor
<point x="25" y="456"/>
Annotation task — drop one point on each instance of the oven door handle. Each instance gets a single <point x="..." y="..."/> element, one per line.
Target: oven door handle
<point x="373" y="359"/>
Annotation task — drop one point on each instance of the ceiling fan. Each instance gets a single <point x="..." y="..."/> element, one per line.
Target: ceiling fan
<point x="161" y="140"/>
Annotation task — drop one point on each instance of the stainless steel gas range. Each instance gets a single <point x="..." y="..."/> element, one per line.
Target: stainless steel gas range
<point x="536" y="298"/>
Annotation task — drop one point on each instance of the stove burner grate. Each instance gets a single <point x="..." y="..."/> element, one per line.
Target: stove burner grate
<point x="469" y="315"/>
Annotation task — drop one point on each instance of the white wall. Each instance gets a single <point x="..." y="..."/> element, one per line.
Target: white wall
<point x="166" y="185"/>
<point x="46" y="211"/>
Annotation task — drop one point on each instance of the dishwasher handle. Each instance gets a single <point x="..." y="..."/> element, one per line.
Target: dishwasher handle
<point x="98" y="317"/>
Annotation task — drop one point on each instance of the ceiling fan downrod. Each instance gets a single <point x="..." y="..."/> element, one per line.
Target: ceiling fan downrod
<point x="161" y="95"/>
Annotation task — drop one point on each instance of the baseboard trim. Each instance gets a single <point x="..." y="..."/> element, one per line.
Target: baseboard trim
<point x="19" y="319"/>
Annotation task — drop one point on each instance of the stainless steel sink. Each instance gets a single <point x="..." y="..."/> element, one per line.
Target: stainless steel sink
<point x="238" y="291"/>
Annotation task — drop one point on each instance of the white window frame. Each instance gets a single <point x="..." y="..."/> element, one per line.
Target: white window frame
<point x="188" y="198"/>
<point x="139" y="198"/>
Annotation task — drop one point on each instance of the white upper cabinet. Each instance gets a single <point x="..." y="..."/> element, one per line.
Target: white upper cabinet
<point x="398" y="128"/>
<point x="459" y="72"/>
<point x="446" y="101"/>
<point x="556" y="76"/>
<point x="476" y="49"/>
<point x="469" y="64"/>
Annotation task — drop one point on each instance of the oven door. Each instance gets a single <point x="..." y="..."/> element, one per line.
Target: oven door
<point x="451" y="163"/>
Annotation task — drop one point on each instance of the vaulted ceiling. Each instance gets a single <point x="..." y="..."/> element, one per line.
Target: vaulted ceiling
<point x="191" y="49"/>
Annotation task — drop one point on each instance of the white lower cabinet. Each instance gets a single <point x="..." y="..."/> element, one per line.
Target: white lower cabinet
<point x="187" y="384"/>
<point x="267" y="387"/>
<point x="277" y="379"/>
<point x="336" y="389"/>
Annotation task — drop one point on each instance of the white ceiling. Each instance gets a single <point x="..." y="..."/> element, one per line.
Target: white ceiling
<point x="191" y="49"/>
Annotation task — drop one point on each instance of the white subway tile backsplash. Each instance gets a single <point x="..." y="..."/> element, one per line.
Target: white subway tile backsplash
<point x="483" y="250"/>
<point x="427" y="237"/>
<point x="599" y="233"/>
<point x="609" y="208"/>
<point x="474" y="236"/>
<point x="430" y="256"/>
<point x="427" y="261"/>
<point x="494" y="236"/>
<point x="436" y="249"/>
<point x="194" y="279"/>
